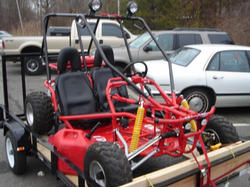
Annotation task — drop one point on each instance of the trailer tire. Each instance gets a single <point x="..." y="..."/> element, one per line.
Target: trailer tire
<point x="105" y="164"/>
<point x="223" y="130"/>
<point x="39" y="112"/>
<point x="16" y="159"/>
<point x="33" y="65"/>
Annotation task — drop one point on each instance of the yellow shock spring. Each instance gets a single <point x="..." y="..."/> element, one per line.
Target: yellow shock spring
<point x="184" y="103"/>
<point x="137" y="129"/>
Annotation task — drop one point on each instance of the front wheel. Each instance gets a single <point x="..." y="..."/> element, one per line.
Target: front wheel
<point x="16" y="159"/>
<point x="106" y="165"/>
<point x="33" y="66"/>
<point x="198" y="100"/>
<point x="39" y="112"/>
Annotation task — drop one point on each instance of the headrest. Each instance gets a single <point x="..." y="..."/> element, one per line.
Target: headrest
<point x="108" y="51"/>
<point x="68" y="54"/>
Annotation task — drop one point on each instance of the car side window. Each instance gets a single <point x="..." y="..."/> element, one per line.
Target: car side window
<point x="220" y="39"/>
<point x="214" y="63"/>
<point x="187" y="39"/>
<point x="234" y="61"/>
<point x="85" y="32"/>
<point x="111" y="30"/>
<point x="165" y="40"/>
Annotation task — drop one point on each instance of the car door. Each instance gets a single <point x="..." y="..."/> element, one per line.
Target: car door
<point x="150" y="51"/>
<point x="228" y="73"/>
<point x="85" y="36"/>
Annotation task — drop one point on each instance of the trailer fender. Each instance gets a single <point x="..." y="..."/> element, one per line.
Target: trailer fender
<point x="21" y="136"/>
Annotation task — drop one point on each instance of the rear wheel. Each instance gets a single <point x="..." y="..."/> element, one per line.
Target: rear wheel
<point x="106" y="165"/>
<point x="16" y="159"/>
<point x="198" y="100"/>
<point x="39" y="112"/>
<point x="219" y="130"/>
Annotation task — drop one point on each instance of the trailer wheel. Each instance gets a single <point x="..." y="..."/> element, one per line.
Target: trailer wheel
<point x="219" y="130"/>
<point x="39" y="112"/>
<point x="106" y="165"/>
<point x="16" y="159"/>
<point x="33" y="66"/>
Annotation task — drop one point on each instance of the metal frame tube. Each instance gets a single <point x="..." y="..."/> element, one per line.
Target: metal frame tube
<point x="144" y="160"/>
<point x="5" y="85"/>
<point x="143" y="147"/>
<point x="123" y="142"/>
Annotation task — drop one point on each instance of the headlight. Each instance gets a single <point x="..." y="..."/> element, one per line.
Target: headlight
<point x="95" y="5"/>
<point x="132" y="8"/>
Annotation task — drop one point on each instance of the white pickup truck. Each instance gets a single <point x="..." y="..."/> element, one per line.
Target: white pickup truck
<point x="108" y="32"/>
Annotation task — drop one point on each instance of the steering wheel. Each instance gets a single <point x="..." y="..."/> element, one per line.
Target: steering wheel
<point x="142" y="74"/>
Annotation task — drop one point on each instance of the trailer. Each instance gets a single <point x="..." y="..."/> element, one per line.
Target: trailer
<point x="226" y="162"/>
<point x="88" y="130"/>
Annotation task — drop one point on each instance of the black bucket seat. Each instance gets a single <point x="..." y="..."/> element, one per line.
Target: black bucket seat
<point x="73" y="88"/>
<point x="100" y="77"/>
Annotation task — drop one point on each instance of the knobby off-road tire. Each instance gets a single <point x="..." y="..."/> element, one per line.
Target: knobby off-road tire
<point x="16" y="159"/>
<point x="39" y="112"/>
<point x="33" y="65"/>
<point x="226" y="131"/>
<point x="106" y="165"/>
<point x="223" y="130"/>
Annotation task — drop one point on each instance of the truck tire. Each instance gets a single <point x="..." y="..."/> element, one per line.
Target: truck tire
<point x="16" y="159"/>
<point x="223" y="131"/>
<point x="39" y="112"/>
<point x="33" y="65"/>
<point x="106" y="165"/>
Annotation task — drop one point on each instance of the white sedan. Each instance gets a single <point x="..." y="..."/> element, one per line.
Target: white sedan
<point x="206" y="75"/>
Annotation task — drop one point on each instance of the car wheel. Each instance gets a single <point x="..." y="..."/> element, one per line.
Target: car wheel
<point x="16" y="159"/>
<point x="219" y="130"/>
<point x="198" y="100"/>
<point x="39" y="112"/>
<point x="106" y="165"/>
<point x="33" y="66"/>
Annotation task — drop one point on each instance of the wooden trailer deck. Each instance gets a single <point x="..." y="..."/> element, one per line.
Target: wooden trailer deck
<point x="185" y="173"/>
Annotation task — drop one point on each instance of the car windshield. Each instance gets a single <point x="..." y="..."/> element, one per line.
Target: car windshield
<point x="140" y="40"/>
<point x="184" y="56"/>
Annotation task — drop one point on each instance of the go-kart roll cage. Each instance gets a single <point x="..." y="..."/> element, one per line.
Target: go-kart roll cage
<point x="83" y="18"/>
<point x="173" y="102"/>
